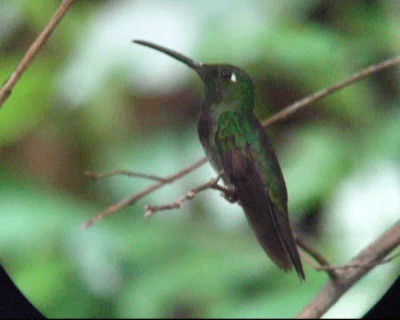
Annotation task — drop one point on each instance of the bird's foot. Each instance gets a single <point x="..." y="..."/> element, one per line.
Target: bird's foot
<point x="230" y="196"/>
<point x="227" y="193"/>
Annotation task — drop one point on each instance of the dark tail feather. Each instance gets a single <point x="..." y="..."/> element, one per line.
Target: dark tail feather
<point x="281" y="249"/>
<point x="271" y="228"/>
<point x="282" y="225"/>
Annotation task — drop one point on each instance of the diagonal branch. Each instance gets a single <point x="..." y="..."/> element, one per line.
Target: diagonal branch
<point x="358" y="265"/>
<point x="289" y="110"/>
<point x="286" y="112"/>
<point x="317" y="256"/>
<point x="33" y="50"/>
<point x="135" y="197"/>
<point x="367" y="258"/>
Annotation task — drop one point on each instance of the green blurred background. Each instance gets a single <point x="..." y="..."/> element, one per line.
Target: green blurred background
<point x="92" y="100"/>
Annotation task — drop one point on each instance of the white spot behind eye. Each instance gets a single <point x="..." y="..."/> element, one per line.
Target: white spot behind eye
<point x="233" y="77"/>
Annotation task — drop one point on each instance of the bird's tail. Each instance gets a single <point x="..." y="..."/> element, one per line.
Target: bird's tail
<point x="272" y="230"/>
<point x="279" y="247"/>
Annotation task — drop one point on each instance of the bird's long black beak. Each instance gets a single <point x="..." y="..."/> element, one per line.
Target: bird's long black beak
<point x="189" y="62"/>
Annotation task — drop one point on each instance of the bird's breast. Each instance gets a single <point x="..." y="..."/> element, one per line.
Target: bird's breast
<point x="206" y="129"/>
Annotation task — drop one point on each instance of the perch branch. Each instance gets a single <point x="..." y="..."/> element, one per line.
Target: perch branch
<point x="33" y="50"/>
<point x="367" y="258"/>
<point x="212" y="184"/>
<point x="289" y="110"/>
<point x="135" y="197"/>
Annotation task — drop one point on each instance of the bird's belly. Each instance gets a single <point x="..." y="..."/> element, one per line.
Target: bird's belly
<point x="212" y="154"/>
<point x="207" y="129"/>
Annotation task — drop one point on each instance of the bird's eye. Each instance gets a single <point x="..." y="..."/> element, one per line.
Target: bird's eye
<point x="226" y="74"/>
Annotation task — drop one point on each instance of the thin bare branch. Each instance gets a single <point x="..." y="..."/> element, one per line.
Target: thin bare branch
<point x="289" y="110"/>
<point x="317" y="256"/>
<point x="368" y="258"/>
<point x="307" y="259"/>
<point x="94" y="175"/>
<point x="286" y="112"/>
<point x="33" y="50"/>
<point x="135" y="197"/>
<point x="212" y="184"/>
<point x="358" y="265"/>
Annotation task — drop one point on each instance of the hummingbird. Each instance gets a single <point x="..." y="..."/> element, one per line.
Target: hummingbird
<point x="236" y="145"/>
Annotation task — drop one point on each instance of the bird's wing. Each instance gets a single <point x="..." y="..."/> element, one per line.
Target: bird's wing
<point x="270" y="225"/>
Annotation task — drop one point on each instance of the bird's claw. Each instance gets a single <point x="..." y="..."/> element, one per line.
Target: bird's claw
<point x="230" y="196"/>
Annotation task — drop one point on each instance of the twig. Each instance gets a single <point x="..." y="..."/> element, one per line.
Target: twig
<point x="307" y="259"/>
<point x="94" y="175"/>
<point x="212" y="184"/>
<point x="368" y="258"/>
<point x="357" y="265"/>
<point x="5" y="91"/>
<point x="277" y="117"/>
<point x="330" y="269"/>
<point x="289" y="110"/>
<point x="135" y="197"/>
<point x="317" y="256"/>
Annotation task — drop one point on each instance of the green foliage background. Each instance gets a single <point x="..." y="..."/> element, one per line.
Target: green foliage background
<point x="92" y="100"/>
